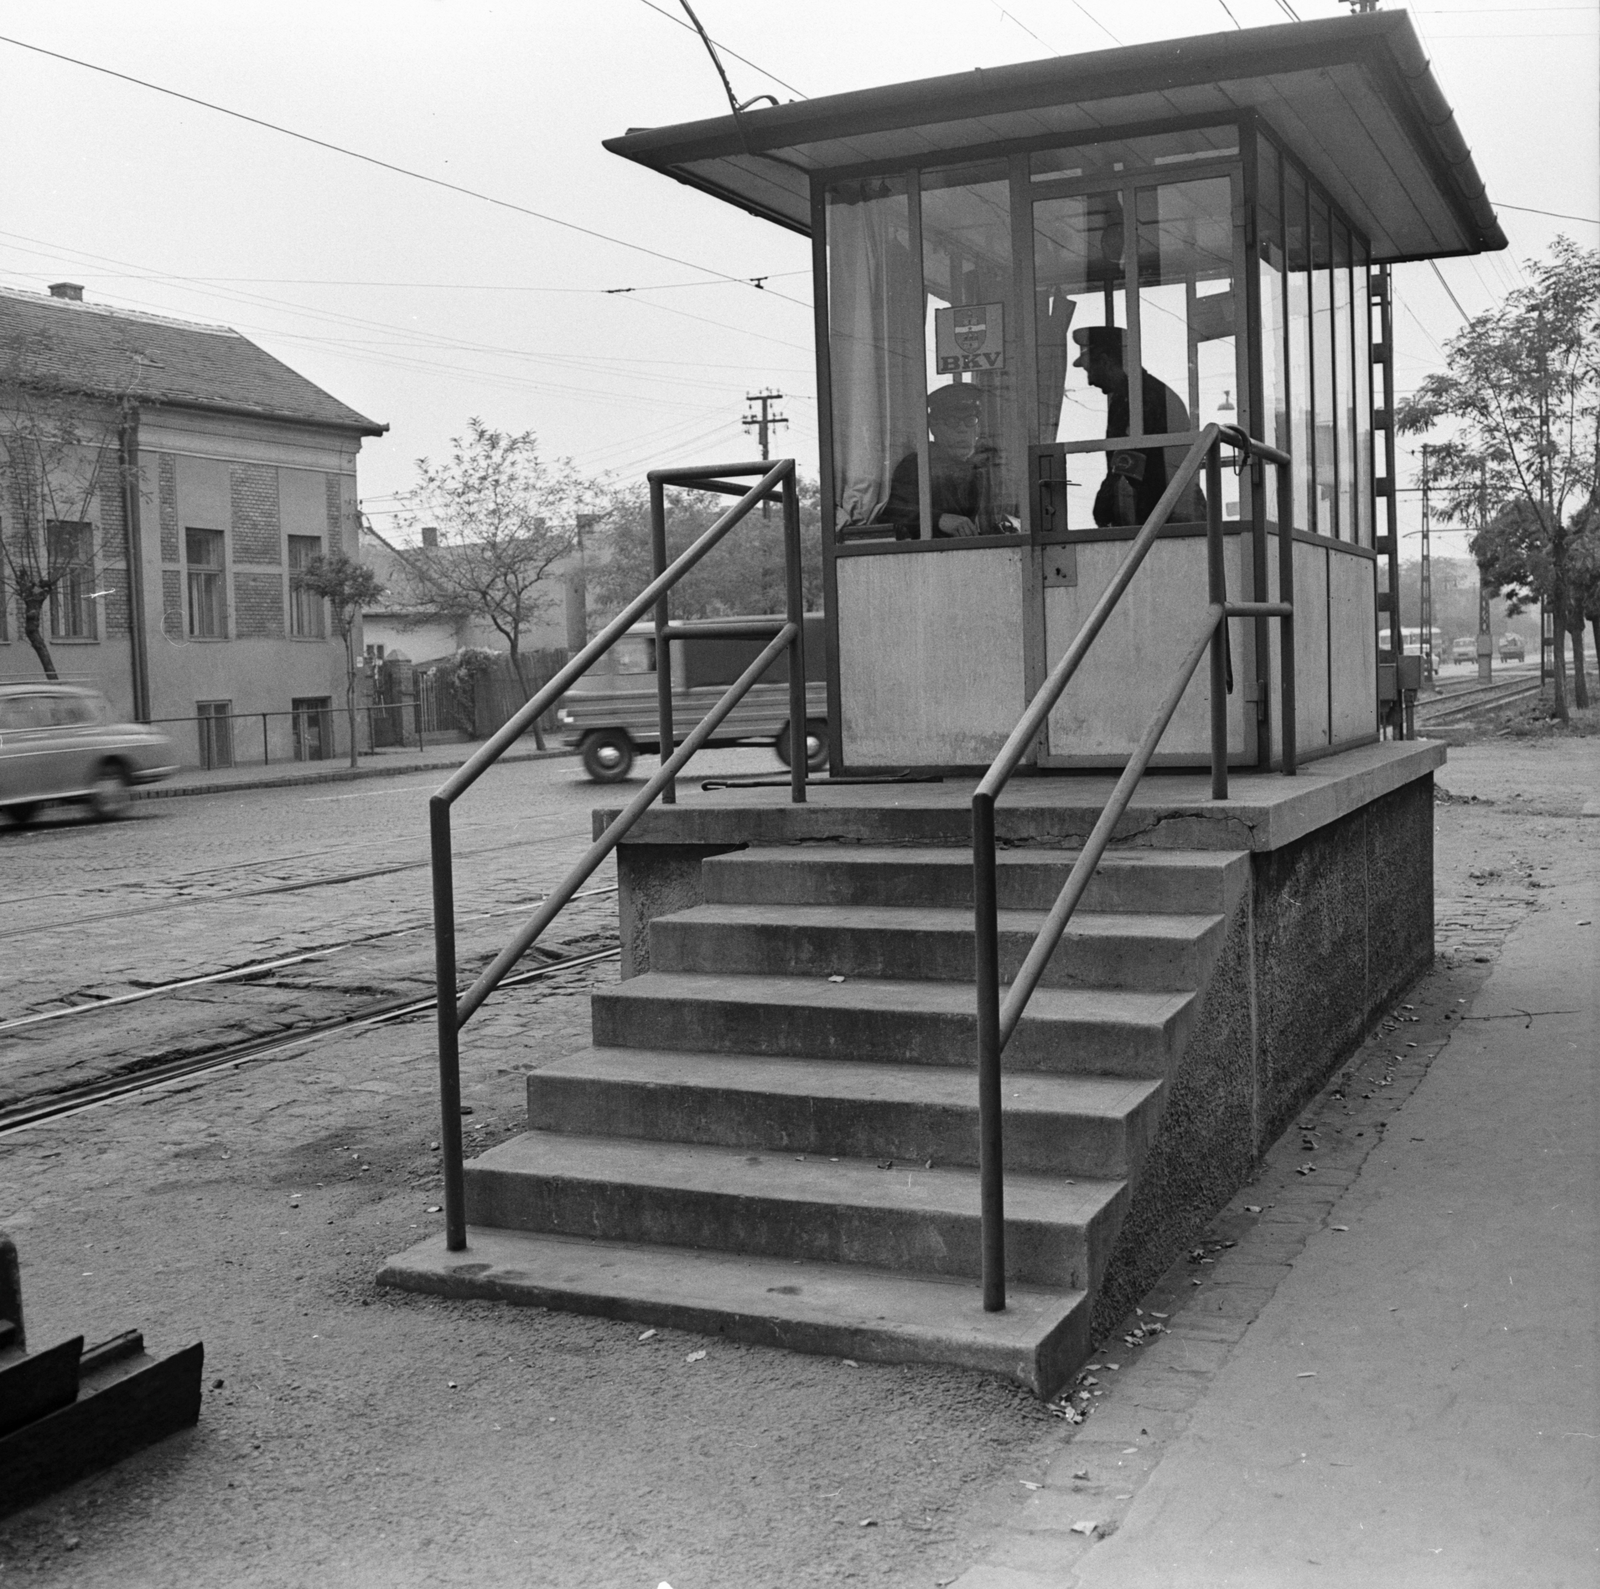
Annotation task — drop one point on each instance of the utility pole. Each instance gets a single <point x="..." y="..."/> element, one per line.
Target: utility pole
<point x="763" y="424"/>
<point x="1425" y="583"/>
<point x="1485" y="639"/>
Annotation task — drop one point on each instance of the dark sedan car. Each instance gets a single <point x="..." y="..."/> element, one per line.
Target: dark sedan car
<point x="60" y="742"/>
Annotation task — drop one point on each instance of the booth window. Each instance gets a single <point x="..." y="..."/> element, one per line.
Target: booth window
<point x="1361" y="321"/>
<point x="1324" y="427"/>
<point x="1269" y="249"/>
<point x="1298" y="248"/>
<point x="874" y="348"/>
<point x="1186" y="323"/>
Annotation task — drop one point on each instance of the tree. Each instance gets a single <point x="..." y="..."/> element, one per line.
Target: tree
<point x="505" y="517"/>
<point x="59" y="460"/>
<point x="348" y="587"/>
<point x="745" y="575"/>
<point x="1522" y="387"/>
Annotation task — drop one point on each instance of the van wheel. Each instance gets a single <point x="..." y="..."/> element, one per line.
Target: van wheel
<point x="816" y="744"/>
<point x="108" y="798"/>
<point x="607" y="755"/>
<point x="23" y="812"/>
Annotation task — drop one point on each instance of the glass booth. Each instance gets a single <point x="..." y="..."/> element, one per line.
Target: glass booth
<point x="1013" y="265"/>
<point x="985" y="317"/>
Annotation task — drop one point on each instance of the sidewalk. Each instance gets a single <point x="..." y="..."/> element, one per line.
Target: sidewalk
<point x="442" y="758"/>
<point x="1389" y="1378"/>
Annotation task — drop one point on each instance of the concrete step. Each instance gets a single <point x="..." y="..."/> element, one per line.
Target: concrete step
<point x="1096" y="1126"/>
<point x="771" y="1205"/>
<point x="1099" y="950"/>
<point x="1185" y="881"/>
<point x="836" y="1310"/>
<point x="1117" y="1032"/>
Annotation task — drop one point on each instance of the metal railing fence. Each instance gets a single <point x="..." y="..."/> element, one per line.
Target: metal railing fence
<point x="997" y="1018"/>
<point x="455" y="1009"/>
<point x="310" y="733"/>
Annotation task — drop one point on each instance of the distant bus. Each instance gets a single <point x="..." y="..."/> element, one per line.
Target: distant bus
<point x="1411" y="642"/>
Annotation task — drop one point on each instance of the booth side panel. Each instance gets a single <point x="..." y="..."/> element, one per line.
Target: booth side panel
<point x="1352" y="621"/>
<point x="1311" y="648"/>
<point x="930" y="656"/>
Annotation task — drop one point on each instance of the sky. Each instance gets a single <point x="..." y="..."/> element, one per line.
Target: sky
<point x="421" y="306"/>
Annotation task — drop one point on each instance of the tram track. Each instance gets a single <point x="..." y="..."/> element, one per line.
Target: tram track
<point x="258" y="968"/>
<point x="1464" y="703"/>
<point x="91" y="1095"/>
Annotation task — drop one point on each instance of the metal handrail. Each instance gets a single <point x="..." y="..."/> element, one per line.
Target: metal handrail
<point x="456" y="1009"/>
<point x="997" y="1021"/>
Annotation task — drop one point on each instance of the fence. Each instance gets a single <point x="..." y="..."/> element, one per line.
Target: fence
<point x="482" y="707"/>
<point x="319" y="732"/>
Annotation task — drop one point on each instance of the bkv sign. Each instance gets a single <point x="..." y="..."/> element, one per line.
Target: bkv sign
<point x="970" y="336"/>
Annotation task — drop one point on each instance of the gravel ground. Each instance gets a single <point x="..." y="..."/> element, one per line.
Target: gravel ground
<point x="352" y="1436"/>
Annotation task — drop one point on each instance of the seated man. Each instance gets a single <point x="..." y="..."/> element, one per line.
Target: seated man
<point x="1135" y="479"/>
<point x="960" y="489"/>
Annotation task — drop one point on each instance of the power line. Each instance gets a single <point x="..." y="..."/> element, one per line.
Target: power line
<point x="679" y="22"/>
<point x="1018" y="22"/>
<point x="1465" y="317"/>
<point x="1231" y="17"/>
<point x="1101" y="25"/>
<point x="388" y="165"/>
<point x="1528" y="209"/>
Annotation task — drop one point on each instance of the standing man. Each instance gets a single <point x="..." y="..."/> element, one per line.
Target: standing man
<point x="1134" y="480"/>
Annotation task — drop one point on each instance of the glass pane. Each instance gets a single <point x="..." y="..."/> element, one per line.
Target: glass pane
<point x="1186" y="335"/>
<point x="1274" y="375"/>
<point x="1344" y="380"/>
<point x="1297" y="247"/>
<point x="1363" y="391"/>
<point x="1123" y="154"/>
<point x="1324" y="472"/>
<point x="1078" y="279"/>
<point x="970" y="329"/>
<point x="875" y="348"/>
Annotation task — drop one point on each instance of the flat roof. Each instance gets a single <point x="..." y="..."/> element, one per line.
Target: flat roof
<point x="1353" y="97"/>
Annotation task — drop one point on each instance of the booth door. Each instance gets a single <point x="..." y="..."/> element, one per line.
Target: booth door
<point x="1138" y="334"/>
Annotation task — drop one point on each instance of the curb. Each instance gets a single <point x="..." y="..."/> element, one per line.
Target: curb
<point x="178" y="791"/>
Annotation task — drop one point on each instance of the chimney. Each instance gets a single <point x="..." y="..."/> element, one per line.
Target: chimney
<point x="430" y="538"/>
<point x="67" y="291"/>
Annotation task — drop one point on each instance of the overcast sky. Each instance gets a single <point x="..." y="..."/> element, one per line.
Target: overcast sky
<point x="420" y="306"/>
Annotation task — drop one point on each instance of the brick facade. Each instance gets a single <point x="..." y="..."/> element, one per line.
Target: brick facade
<point x="172" y="625"/>
<point x="115" y="605"/>
<point x="333" y="485"/>
<point x="167" y="506"/>
<point x="254" y="492"/>
<point x="257" y="606"/>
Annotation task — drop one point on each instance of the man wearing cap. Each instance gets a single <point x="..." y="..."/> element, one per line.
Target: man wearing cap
<point x="1134" y="480"/>
<point x="958" y="468"/>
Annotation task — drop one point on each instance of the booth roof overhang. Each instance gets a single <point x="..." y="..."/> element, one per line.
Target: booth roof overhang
<point x="1353" y="97"/>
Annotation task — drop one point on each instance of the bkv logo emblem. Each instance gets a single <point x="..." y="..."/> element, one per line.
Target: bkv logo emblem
<point x="970" y="336"/>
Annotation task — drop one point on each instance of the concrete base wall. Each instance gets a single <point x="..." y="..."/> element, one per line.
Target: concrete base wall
<point x="1336" y="922"/>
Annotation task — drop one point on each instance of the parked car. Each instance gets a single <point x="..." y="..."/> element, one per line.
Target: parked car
<point x="60" y="742"/>
<point x="1464" y="649"/>
<point x="1512" y="649"/>
<point x="610" y="714"/>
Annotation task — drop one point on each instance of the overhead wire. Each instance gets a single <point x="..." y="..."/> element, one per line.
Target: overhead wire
<point x="389" y="165"/>
<point x="678" y="21"/>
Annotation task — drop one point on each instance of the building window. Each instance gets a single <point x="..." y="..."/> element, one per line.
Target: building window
<point x="305" y="607"/>
<point x="313" y="727"/>
<point x="214" y="720"/>
<point x="71" y="555"/>
<point x="208" y="608"/>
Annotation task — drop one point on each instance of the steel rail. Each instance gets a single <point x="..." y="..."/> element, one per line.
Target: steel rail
<point x="92" y="1094"/>
<point x="996" y="1020"/>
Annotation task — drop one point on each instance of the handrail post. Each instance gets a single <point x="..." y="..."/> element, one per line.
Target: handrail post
<point x="986" y="960"/>
<point x="799" y="739"/>
<point x="1286" y="668"/>
<point x="658" y="552"/>
<point x="1217" y="584"/>
<point x="444" y="959"/>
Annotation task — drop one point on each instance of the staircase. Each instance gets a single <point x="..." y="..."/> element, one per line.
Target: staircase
<point x="774" y="1132"/>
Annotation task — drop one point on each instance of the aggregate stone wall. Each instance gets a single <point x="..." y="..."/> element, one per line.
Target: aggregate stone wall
<point x="654" y="880"/>
<point x="1343" y="921"/>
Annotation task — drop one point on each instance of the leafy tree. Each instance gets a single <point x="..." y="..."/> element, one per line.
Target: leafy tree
<point x="744" y="576"/>
<point x="1523" y="390"/>
<point x="348" y="587"/>
<point x="505" y="517"/>
<point x="59" y="460"/>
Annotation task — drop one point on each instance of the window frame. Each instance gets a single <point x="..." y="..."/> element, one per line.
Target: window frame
<point x="308" y="613"/>
<point x="72" y="595"/>
<point x="209" y="579"/>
